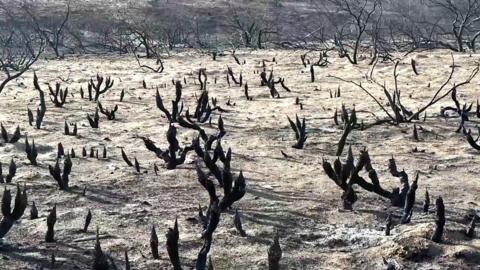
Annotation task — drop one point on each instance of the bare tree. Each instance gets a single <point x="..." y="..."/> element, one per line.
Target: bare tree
<point x="52" y="30"/>
<point x="18" y="52"/>
<point x="359" y="15"/>
<point x="464" y="22"/>
<point x="253" y="26"/>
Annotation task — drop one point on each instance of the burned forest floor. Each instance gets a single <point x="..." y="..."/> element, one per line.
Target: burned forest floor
<point x="288" y="192"/>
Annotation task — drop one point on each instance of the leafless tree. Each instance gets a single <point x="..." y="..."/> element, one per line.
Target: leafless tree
<point x="18" y="52"/>
<point x="52" y="29"/>
<point x="463" y="22"/>
<point x="359" y="16"/>
<point x="395" y="110"/>
<point x="252" y="26"/>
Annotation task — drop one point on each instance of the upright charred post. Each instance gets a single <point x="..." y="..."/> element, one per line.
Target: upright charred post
<point x="409" y="202"/>
<point x="51" y="220"/>
<point x="33" y="211"/>
<point x="426" y="203"/>
<point x="388" y="224"/>
<point x="172" y="246"/>
<point x="154" y="244"/>
<point x="88" y="219"/>
<point x="274" y="254"/>
<point x="439" y="221"/>
<point x="312" y="74"/>
<point x="237" y="221"/>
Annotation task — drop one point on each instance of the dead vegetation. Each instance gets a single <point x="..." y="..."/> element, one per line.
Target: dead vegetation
<point x="221" y="179"/>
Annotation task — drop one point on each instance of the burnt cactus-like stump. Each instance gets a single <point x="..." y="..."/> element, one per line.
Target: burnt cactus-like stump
<point x="237" y="221"/>
<point x="94" y="119"/>
<point x="470" y="232"/>
<point x="97" y="87"/>
<point x="126" y="159"/>
<point x="31" y="151"/>
<point x="409" y="202"/>
<point x="51" y="220"/>
<point x="203" y="110"/>
<point x="110" y="114"/>
<point x="270" y="83"/>
<point x="473" y="142"/>
<point x="345" y="175"/>
<point x="88" y="219"/>
<point x="66" y="129"/>
<point x="415" y="133"/>
<point x="217" y="206"/>
<point x="15" y="136"/>
<point x="426" y="202"/>
<point x="122" y="95"/>
<point x="154" y="244"/>
<point x="62" y="178"/>
<point x="312" y="74"/>
<point x="43" y="106"/>
<point x="9" y="216"/>
<point x="230" y="74"/>
<point x="233" y="191"/>
<point x="207" y="235"/>
<point x="136" y="165"/>
<point x="208" y="139"/>
<point x="299" y="127"/>
<point x="33" y="211"/>
<point x="274" y="254"/>
<point x="399" y="195"/>
<point x="202" y="78"/>
<point x="59" y="95"/>
<point x="210" y="162"/>
<point x="12" y="170"/>
<point x="283" y="85"/>
<point x="172" y="246"/>
<point x="127" y="261"/>
<point x="350" y="122"/>
<point x="388" y="224"/>
<point x="60" y="150"/>
<point x="100" y="261"/>
<point x="246" y="93"/>
<point x="177" y="107"/>
<point x="439" y="221"/>
<point x="174" y="149"/>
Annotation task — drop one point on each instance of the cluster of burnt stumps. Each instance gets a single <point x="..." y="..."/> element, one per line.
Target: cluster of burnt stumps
<point x="212" y="163"/>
